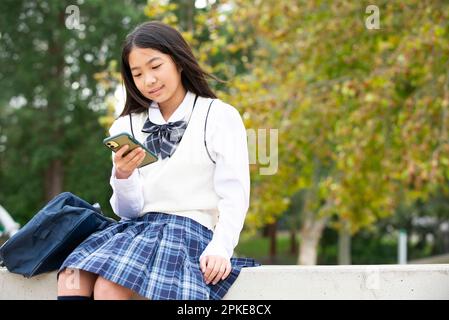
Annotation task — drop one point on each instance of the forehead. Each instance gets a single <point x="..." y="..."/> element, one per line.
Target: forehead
<point x="138" y="57"/>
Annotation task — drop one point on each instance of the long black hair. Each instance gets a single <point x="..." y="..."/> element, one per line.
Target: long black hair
<point x="159" y="36"/>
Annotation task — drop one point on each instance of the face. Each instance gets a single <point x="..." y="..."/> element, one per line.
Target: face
<point x="156" y="76"/>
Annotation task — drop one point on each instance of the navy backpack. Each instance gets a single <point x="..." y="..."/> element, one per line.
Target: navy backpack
<point x="51" y="235"/>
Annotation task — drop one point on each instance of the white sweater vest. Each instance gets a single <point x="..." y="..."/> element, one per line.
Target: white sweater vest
<point x="184" y="183"/>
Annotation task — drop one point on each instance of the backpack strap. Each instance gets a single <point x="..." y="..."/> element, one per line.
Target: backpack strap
<point x="132" y="131"/>
<point x="131" y="124"/>
<point x="205" y="128"/>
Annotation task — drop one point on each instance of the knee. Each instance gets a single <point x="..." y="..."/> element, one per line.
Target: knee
<point x="75" y="282"/>
<point x="108" y="290"/>
<point x="68" y="279"/>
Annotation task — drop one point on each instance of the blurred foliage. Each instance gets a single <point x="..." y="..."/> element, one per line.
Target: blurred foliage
<point x="50" y="101"/>
<point x="362" y="115"/>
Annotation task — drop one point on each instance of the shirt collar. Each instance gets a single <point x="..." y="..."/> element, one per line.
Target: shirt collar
<point x="155" y="115"/>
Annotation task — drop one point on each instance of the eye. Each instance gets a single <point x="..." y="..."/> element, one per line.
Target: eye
<point x="157" y="66"/>
<point x="136" y="75"/>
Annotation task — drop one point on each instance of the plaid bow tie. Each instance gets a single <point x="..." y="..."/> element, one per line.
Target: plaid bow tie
<point x="163" y="138"/>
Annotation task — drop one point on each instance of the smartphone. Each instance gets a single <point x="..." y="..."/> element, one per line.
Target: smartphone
<point x="116" y="142"/>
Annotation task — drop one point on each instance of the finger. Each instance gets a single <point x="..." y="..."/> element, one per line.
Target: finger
<point x="122" y="162"/>
<point x="209" y="268"/>
<point x="133" y="153"/>
<point x="122" y="150"/>
<point x="128" y="166"/>
<point x="140" y="155"/>
<point x="220" y="273"/>
<point x="203" y="264"/>
<point x="227" y="272"/>
<point x="214" y="272"/>
<point x="139" y="159"/>
<point x="119" y="154"/>
<point x="131" y="159"/>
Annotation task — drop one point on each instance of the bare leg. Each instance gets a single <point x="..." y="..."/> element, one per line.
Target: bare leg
<point x="108" y="290"/>
<point x="75" y="282"/>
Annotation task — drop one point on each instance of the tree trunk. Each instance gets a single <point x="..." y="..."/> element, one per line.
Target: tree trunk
<point x="293" y="241"/>
<point x="190" y="16"/>
<point x="344" y="245"/>
<point x="272" y="231"/>
<point x="187" y="14"/>
<point x="54" y="175"/>
<point x="310" y="235"/>
<point x="53" y="179"/>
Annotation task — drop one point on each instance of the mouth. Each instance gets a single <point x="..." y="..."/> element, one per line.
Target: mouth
<point x="155" y="90"/>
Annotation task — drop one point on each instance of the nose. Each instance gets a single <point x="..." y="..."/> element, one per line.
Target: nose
<point x="150" y="80"/>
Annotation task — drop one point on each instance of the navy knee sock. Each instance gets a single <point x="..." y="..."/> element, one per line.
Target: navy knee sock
<point x="74" y="298"/>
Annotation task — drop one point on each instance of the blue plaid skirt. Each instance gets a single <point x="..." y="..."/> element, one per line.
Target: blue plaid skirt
<point x="156" y="255"/>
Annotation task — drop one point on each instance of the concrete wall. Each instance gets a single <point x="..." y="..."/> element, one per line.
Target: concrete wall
<point x="292" y="282"/>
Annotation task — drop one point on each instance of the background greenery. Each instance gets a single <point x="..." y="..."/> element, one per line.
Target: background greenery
<point x="362" y="115"/>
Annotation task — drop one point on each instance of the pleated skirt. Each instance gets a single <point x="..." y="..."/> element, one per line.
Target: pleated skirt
<point x="156" y="256"/>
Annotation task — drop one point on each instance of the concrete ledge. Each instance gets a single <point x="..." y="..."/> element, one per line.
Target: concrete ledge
<point x="291" y="282"/>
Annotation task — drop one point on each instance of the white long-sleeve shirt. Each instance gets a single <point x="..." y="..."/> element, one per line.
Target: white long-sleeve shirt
<point x="227" y="144"/>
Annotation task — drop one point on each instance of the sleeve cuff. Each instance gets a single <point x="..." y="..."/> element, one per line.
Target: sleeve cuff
<point x="214" y="248"/>
<point x="125" y="184"/>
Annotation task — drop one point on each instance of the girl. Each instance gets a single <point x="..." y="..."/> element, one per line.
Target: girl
<point x="182" y="215"/>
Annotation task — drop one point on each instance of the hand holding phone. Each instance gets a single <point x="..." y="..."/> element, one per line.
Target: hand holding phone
<point x="125" y="165"/>
<point x="129" y="154"/>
